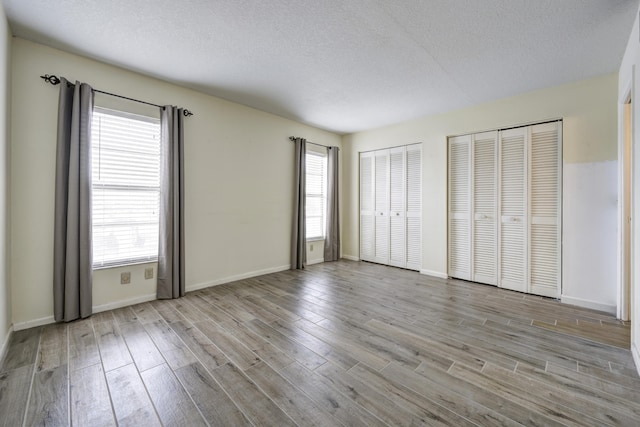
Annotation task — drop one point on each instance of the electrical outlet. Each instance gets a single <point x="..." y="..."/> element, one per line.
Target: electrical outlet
<point x="148" y="273"/>
<point x="310" y="248"/>
<point x="125" y="278"/>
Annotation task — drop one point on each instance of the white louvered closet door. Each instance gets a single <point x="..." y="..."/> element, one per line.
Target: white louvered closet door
<point x="485" y="194"/>
<point x="381" y="205"/>
<point x="367" y="229"/>
<point x="544" y="209"/>
<point x="459" y="207"/>
<point x="397" y="211"/>
<point x="513" y="210"/>
<point x="414" y="206"/>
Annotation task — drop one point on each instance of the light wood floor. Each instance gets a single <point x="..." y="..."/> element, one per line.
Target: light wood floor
<point x="341" y="343"/>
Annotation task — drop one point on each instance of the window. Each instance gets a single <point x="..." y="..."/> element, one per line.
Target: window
<point x="316" y="190"/>
<point x="126" y="187"/>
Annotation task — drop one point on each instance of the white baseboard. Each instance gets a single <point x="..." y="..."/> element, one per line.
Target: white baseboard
<point x="19" y="326"/>
<point x="351" y="257"/>
<point x="5" y="344"/>
<point x="124" y="303"/>
<point x="594" y="305"/>
<point x="224" y="280"/>
<point x="434" y="274"/>
<point x="150" y="297"/>
<point x="635" y="352"/>
<point x="315" y="261"/>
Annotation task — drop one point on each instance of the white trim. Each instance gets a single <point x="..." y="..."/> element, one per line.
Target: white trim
<point x="224" y="280"/>
<point x="434" y="274"/>
<point x="315" y="261"/>
<point x="123" y="303"/>
<point x="315" y="239"/>
<point x="19" y="326"/>
<point x="127" y="115"/>
<point x="5" y="344"/>
<point x="622" y="295"/>
<point x="594" y="305"/>
<point x="635" y="352"/>
<point x="351" y="257"/>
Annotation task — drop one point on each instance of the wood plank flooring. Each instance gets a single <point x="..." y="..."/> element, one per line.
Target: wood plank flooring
<point x="343" y="343"/>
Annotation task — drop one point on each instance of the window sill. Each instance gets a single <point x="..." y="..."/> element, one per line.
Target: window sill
<point x="125" y="264"/>
<point x="315" y="239"/>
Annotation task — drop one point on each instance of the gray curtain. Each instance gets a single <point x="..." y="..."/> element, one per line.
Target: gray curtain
<point x="72" y="252"/>
<point x="298" y="235"/>
<point x="171" y="267"/>
<point x="332" y="238"/>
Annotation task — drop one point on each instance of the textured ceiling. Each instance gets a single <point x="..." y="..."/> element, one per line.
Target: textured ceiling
<point x="344" y="65"/>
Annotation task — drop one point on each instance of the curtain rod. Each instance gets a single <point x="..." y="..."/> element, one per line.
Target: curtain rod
<point x="54" y="80"/>
<point x="293" y="138"/>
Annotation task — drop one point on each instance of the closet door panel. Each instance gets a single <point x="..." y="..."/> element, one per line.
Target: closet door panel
<point x="414" y="206"/>
<point x="544" y="210"/>
<point x="459" y="207"/>
<point x="485" y="242"/>
<point x="397" y="213"/>
<point x="367" y="228"/>
<point x="381" y="221"/>
<point x="513" y="207"/>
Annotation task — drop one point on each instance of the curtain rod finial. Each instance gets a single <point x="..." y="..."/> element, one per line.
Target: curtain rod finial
<point x="53" y="79"/>
<point x="187" y="113"/>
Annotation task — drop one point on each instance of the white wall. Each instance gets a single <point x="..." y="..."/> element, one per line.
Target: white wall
<point x="588" y="110"/>
<point x="239" y="182"/>
<point x="628" y="77"/>
<point x="5" y="283"/>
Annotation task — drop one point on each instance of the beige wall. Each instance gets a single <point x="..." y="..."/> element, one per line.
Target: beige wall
<point x="588" y="109"/>
<point x="5" y="283"/>
<point x="628" y="78"/>
<point x="238" y="182"/>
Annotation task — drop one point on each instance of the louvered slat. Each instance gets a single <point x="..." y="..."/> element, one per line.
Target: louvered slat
<point x="544" y="259"/>
<point x="396" y="160"/>
<point x="484" y="207"/>
<point x="414" y="206"/>
<point x="397" y="238"/>
<point x="459" y="209"/>
<point x="414" y="239"/>
<point x="397" y="231"/>
<point x="381" y="218"/>
<point x="366" y="184"/>
<point x="381" y="181"/>
<point x="512" y="209"/>
<point x="459" y="262"/>
<point x="367" y="232"/>
<point x="544" y="208"/>
<point x="367" y="239"/>
<point x="513" y="170"/>
<point x="414" y="178"/>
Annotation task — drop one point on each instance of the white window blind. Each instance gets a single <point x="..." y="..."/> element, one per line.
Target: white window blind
<point x="316" y="193"/>
<point x="126" y="187"/>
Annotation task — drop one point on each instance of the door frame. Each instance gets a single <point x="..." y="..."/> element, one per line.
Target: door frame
<point x="625" y="202"/>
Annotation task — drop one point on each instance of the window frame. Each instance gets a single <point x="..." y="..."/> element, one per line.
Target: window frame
<point x="124" y="261"/>
<point x="322" y="195"/>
